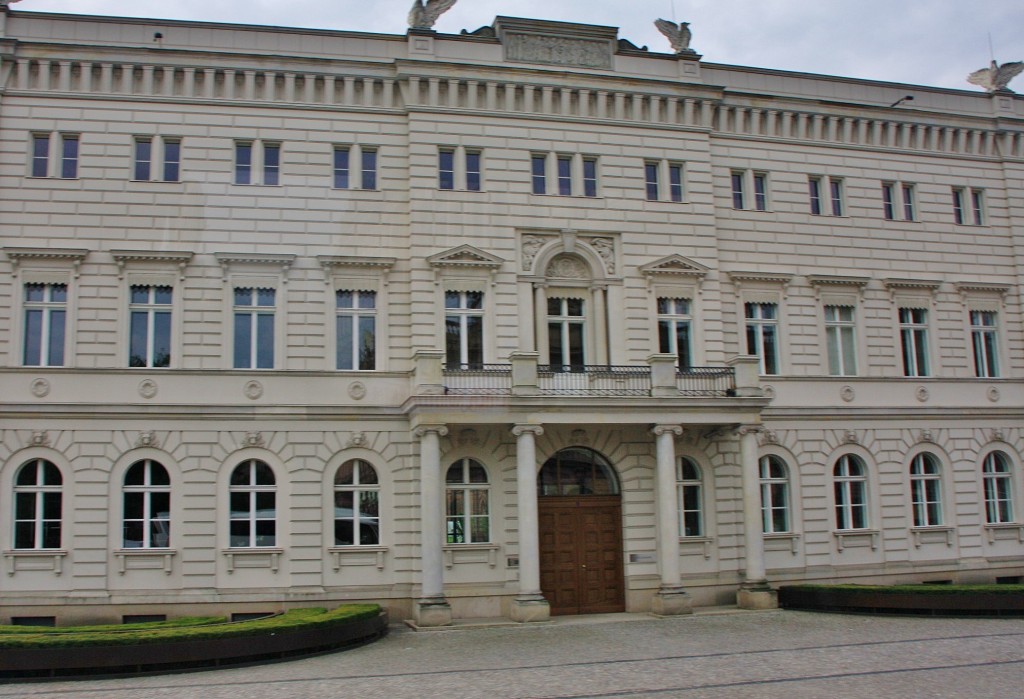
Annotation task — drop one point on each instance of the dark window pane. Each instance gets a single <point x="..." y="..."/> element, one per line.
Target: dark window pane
<point x="33" y="338"/>
<point x="344" y="341"/>
<point x="264" y="341"/>
<point x="264" y="474"/>
<point x="161" y="339"/>
<point x="367" y="343"/>
<point x="344" y="533"/>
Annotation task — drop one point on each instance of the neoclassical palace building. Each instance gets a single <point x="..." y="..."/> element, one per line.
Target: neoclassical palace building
<point x="516" y="322"/>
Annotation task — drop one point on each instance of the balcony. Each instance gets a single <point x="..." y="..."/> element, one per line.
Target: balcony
<point x="523" y="376"/>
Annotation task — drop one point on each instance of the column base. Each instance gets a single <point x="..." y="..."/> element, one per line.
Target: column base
<point x="671" y="601"/>
<point x="530" y="608"/>
<point x="432" y="612"/>
<point x="757" y="596"/>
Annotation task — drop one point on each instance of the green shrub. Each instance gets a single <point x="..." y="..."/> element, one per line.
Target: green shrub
<point x="115" y="636"/>
<point x="182" y="621"/>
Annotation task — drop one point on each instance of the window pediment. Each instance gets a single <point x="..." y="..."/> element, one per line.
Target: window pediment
<point x="465" y="256"/>
<point x="71" y="256"/>
<point x="157" y="258"/>
<point x="675" y="265"/>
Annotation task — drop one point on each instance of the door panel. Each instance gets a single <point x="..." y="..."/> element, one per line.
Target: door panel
<point x="581" y="554"/>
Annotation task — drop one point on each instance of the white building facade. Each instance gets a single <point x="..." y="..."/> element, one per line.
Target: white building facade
<point x="518" y="322"/>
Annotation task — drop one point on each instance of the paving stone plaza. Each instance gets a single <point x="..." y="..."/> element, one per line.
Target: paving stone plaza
<point x="709" y="655"/>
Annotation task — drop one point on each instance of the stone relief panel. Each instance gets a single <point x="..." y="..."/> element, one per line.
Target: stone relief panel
<point x="556" y="50"/>
<point x="567" y="267"/>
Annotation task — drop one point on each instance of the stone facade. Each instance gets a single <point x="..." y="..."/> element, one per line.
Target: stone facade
<point x="507" y="171"/>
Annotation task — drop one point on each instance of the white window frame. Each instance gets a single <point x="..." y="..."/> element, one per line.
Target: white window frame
<point x="461" y="315"/>
<point x="150" y="519"/>
<point x="693" y="486"/>
<point x="261" y="170"/>
<point x="758" y="324"/>
<point x="837" y="329"/>
<point x="56" y="163"/>
<point x="926" y="491"/>
<point x="151" y="309"/>
<point x="664" y="180"/>
<point x="254" y="311"/>
<point x="358" y="488"/>
<point x="47" y="308"/>
<point x="252" y="489"/>
<point x="354" y="316"/>
<point x="851" y="492"/>
<point x="40" y="494"/>
<point x="465" y="488"/>
<point x="985" y="350"/>
<point x="565" y="174"/>
<point x="773" y="501"/>
<point x="159" y="158"/>
<point x="998" y="480"/>
<point x="564" y="319"/>
<point x="914" y="340"/>
<point x="677" y="313"/>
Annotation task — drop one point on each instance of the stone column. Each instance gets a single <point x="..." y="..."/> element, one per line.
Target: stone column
<point x="432" y="609"/>
<point x="671" y="598"/>
<point x="529" y="604"/>
<point x="754" y="593"/>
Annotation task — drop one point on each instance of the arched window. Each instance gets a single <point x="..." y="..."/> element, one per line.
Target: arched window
<point x="468" y="511"/>
<point x="147" y="506"/>
<point x="356" y="505"/>
<point x="998" y="483"/>
<point x="577" y="471"/>
<point x="37" y="505"/>
<point x="691" y="497"/>
<point x="926" y="490"/>
<point x="851" y="490"/>
<point x="774" y="495"/>
<point x="253" y="505"/>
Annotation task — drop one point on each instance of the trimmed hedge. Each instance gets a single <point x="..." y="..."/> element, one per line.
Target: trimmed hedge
<point x="115" y="628"/>
<point x="169" y="632"/>
<point x="946" y="600"/>
<point x="924" y="589"/>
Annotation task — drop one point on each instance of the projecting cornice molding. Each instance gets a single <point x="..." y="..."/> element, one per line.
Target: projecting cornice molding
<point x="465" y="256"/>
<point x="167" y="257"/>
<point x="982" y="287"/>
<point x="69" y="255"/>
<point x="227" y="260"/>
<point x="741" y="279"/>
<point x="837" y="283"/>
<point x="915" y="284"/>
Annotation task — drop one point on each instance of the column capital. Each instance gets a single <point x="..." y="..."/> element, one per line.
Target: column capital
<point x="659" y="430"/>
<point x="423" y="430"/>
<point x="536" y="430"/>
<point x="743" y="430"/>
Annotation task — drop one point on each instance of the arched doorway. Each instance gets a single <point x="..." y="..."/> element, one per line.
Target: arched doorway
<point x="580" y="517"/>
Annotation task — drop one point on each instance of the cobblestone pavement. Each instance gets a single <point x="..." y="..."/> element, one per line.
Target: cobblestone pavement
<point x="736" y="656"/>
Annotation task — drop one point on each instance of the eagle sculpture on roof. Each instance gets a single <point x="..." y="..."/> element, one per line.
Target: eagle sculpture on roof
<point x="996" y="77"/>
<point x="678" y="34"/>
<point x="424" y="16"/>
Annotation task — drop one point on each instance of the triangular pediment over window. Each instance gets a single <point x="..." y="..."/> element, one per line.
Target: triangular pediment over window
<point x="676" y="265"/>
<point x="465" y="256"/>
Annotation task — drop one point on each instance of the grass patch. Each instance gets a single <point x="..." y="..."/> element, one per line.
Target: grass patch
<point x="172" y="631"/>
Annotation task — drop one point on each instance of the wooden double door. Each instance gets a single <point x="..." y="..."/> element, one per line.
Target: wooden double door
<point x="581" y="569"/>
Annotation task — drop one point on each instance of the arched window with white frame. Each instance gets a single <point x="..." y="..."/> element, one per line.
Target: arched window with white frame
<point x="997" y="476"/>
<point x="253" y="498"/>
<point x="147" y="506"/>
<point x="690" y="493"/>
<point x="850" y="482"/>
<point x="468" y="511"/>
<point x="38" y="504"/>
<point x="926" y="490"/>
<point x="356" y="505"/>
<point x="775" y="495"/>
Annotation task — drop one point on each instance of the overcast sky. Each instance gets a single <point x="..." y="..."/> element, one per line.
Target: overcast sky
<point x="922" y="42"/>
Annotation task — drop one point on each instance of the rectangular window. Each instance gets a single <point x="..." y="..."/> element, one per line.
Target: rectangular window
<point x="40" y="155"/>
<point x="564" y="175"/>
<point x="889" y="201"/>
<point x="651" y="180"/>
<point x="836" y="192"/>
<point x="675" y="182"/>
<point x="737" y="190"/>
<point x="69" y="156"/>
<point x="143" y="159"/>
<point x="814" y="191"/>
<point x="762" y="321"/>
<point x="341" y="170"/>
<point x="958" y="206"/>
<point x="566" y="333"/>
<point x="590" y="177"/>
<point x="538" y="173"/>
<point x="914" y="341"/>
<point x="908" y="202"/>
<point x="984" y="329"/>
<point x="760" y="192"/>
<point x="356" y="330"/>
<point x="977" y="206"/>
<point x="243" y="163"/>
<point x="840" y="340"/>
<point x="271" y="163"/>
<point x="473" y="171"/>
<point x="45" y="324"/>
<point x="369" y="166"/>
<point x="464" y="329"/>
<point x="150" y="327"/>
<point x="446" y="169"/>
<point x="172" y="160"/>
<point x="674" y="330"/>
<point x="254" y="328"/>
